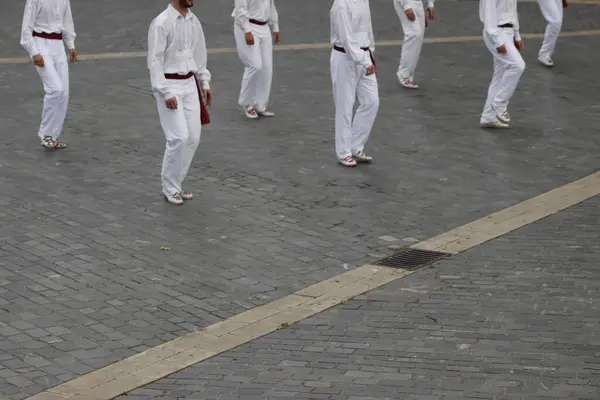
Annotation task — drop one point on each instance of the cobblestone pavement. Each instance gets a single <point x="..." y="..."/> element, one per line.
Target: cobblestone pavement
<point x="83" y="279"/>
<point x="514" y="319"/>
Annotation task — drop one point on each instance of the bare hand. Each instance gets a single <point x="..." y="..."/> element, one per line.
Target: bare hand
<point x="72" y="55"/>
<point x="38" y="60"/>
<point x="249" y="38"/>
<point x="519" y="44"/>
<point x="208" y="93"/>
<point x="276" y="36"/>
<point x="431" y="13"/>
<point x="501" y="49"/>
<point x="171" y="103"/>
<point x="410" y="14"/>
<point x="370" y="70"/>
<point x="565" y="3"/>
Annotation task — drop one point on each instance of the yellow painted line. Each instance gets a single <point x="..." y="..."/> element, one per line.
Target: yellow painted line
<point x="175" y="355"/>
<point x="300" y="46"/>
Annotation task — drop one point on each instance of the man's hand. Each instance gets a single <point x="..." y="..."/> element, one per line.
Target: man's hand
<point x="519" y="44"/>
<point x="370" y="70"/>
<point x="249" y="38"/>
<point x="38" y="60"/>
<point x="276" y="37"/>
<point x="501" y="49"/>
<point x="565" y="4"/>
<point x="171" y="103"/>
<point x="72" y="55"/>
<point x="208" y="94"/>
<point x="410" y="14"/>
<point x="431" y="13"/>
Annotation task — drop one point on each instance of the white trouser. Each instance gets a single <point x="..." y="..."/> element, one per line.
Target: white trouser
<point x="55" y="77"/>
<point x="182" y="129"/>
<point x="414" y="33"/>
<point x="508" y="69"/>
<point x="258" y="66"/>
<point x="349" y="82"/>
<point x="553" y="13"/>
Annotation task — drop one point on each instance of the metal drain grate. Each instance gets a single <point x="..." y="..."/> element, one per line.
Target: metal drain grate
<point x="412" y="259"/>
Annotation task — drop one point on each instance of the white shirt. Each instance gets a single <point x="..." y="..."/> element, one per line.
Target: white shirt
<point x="499" y="12"/>
<point x="408" y="4"/>
<point x="351" y="29"/>
<point x="176" y="45"/>
<point x="49" y="16"/>
<point x="260" y="10"/>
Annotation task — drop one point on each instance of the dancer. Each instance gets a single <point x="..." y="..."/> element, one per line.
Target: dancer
<point x="553" y="13"/>
<point x="414" y="21"/>
<point x="254" y="43"/>
<point x="501" y="36"/>
<point x="177" y="62"/>
<point x="46" y="24"/>
<point x="352" y="76"/>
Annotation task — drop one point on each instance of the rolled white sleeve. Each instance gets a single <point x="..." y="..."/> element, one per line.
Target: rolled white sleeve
<point x="350" y="44"/>
<point x="431" y="4"/>
<point x="157" y="45"/>
<point x="27" y="28"/>
<point x="274" y="17"/>
<point x="405" y="4"/>
<point x="516" y="25"/>
<point x="241" y="14"/>
<point x="201" y="58"/>
<point x="69" y="27"/>
<point x="371" y="35"/>
<point x="490" y="21"/>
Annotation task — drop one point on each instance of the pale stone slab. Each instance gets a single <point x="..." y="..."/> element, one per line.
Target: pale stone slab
<point x="515" y="217"/>
<point x="346" y="278"/>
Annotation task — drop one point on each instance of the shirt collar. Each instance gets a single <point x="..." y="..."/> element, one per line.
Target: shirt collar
<point x="173" y="13"/>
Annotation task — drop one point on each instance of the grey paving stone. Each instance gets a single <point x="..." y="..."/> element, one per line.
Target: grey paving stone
<point x="487" y="283"/>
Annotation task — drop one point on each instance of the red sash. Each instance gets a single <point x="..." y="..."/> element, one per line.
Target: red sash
<point x="204" y="116"/>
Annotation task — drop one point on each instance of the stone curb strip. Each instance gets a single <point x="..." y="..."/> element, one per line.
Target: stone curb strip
<point x="194" y="347"/>
<point x="302" y="46"/>
<point x="168" y="358"/>
<point x="511" y="218"/>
